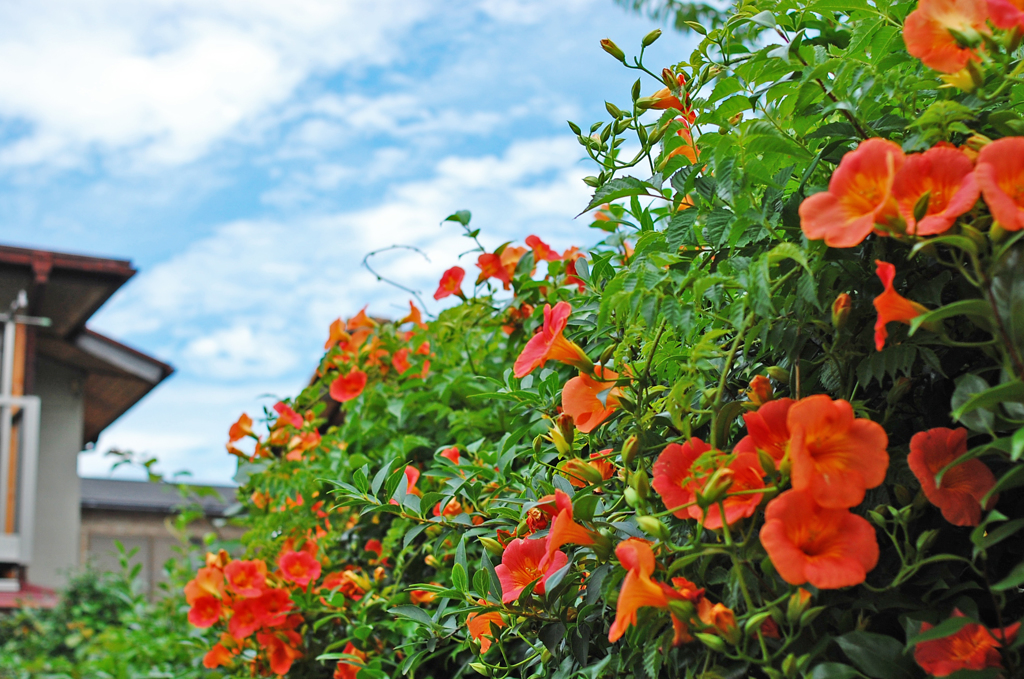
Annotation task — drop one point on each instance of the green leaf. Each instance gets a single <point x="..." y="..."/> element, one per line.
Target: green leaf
<point x="618" y="188"/>
<point x="834" y="670"/>
<point x="459" y="578"/>
<point x="943" y="629"/>
<point x="1014" y="579"/>
<point x="968" y="387"/>
<point x="462" y="217"/>
<point x="975" y="308"/>
<point x="413" y="613"/>
<point x="788" y="251"/>
<point x="1011" y="479"/>
<point x="765" y="18"/>
<point x="877" y="655"/>
<point x="481" y="583"/>
<point x="1017" y="445"/>
<point x="1008" y="391"/>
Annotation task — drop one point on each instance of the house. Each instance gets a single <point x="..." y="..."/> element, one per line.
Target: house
<point x="61" y="385"/>
<point x="140" y="516"/>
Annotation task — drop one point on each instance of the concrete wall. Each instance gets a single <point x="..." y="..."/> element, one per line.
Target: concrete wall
<point x="146" y="532"/>
<point x="56" y="543"/>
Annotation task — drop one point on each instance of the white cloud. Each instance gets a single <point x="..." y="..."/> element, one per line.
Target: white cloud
<point x="255" y="297"/>
<point x="166" y="79"/>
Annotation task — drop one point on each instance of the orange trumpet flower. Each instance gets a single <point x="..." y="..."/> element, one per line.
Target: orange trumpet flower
<point x="830" y="548"/>
<point x="638" y="590"/>
<point x="963" y="486"/>
<point x="564" y="531"/>
<point x="349" y="670"/>
<point x="491" y="266"/>
<point x="479" y="625"/>
<point x="590" y="402"/>
<point x="246" y="578"/>
<point x="550" y="344"/>
<point x="451" y="282"/>
<point x="415" y="317"/>
<point x="943" y="173"/>
<point x="972" y="647"/>
<point x="523" y="562"/>
<point x="675" y="475"/>
<point x="767" y="430"/>
<point x="542" y="252"/>
<point x="859" y="196"/>
<point x="348" y="386"/>
<point x="299" y="567"/>
<point x="890" y="305"/>
<point x="835" y="457"/>
<point x="1000" y="174"/>
<point x="926" y="31"/>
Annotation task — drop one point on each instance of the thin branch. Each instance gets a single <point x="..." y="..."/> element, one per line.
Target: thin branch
<point x="414" y="293"/>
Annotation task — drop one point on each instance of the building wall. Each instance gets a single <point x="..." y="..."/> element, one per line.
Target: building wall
<point x="55" y="547"/>
<point x="148" y="533"/>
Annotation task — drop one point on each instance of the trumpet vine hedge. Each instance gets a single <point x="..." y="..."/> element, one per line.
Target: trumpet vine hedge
<point x="771" y="425"/>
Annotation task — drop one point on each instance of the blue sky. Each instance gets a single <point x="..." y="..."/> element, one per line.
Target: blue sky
<point x="246" y="155"/>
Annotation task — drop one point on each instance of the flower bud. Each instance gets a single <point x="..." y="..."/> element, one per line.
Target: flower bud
<point x="760" y="390"/>
<point x="736" y="119"/>
<point x="556" y="437"/>
<point x="712" y="641"/>
<point x="538" y="443"/>
<point x="566" y="426"/>
<point x="379" y="573"/>
<point x="798" y="602"/>
<point x="641" y="484"/>
<point x="432" y="561"/>
<point x="682" y="609"/>
<point x="651" y="37"/>
<point x="652" y="526"/>
<point x="492" y="546"/>
<point x="841" y="310"/>
<point x="580" y="470"/>
<point x="613" y="49"/>
<point x="480" y="668"/>
<point x="899" y="390"/>
<point x="669" y="78"/>
<point x="632" y="498"/>
<point x="602" y="546"/>
<point x="754" y="622"/>
<point x="635" y="92"/>
<point x="716" y="488"/>
<point x="767" y="462"/>
<point x="644" y="103"/>
<point x="810" y="614"/>
<point x="778" y="374"/>
<point x="613" y="110"/>
<point x="629" y="450"/>
<point x="789" y="666"/>
<point x="976" y="142"/>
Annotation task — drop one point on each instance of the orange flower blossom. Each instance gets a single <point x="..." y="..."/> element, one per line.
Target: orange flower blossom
<point x="859" y="196"/>
<point x="451" y="283"/>
<point x="590" y="402"/>
<point x="348" y="386"/>
<point x="891" y="305"/>
<point x="299" y="567"/>
<point x="767" y="430"/>
<point x="246" y="578"/>
<point x="542" y="252"/>
<point x="281" y="653"/>
<point x="479" y="626"/>
<point x="1000" y="174"/>
<point x="414" y="317"/>
<point x="834" y="456"/>
<point x="972" y="647"/>
<point x="346" y="669"/>
<point x="549" y="344"/>
<point x="963" y="486"/>
<point x="491" y="266"/>
<point x="681" y="470"/>
<point x="565" y="531"/>
<point x="946" y="175"/>
<point x="926" y="31"/>
<point x="830" y="548"/>
<point x="521" y="564"/>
